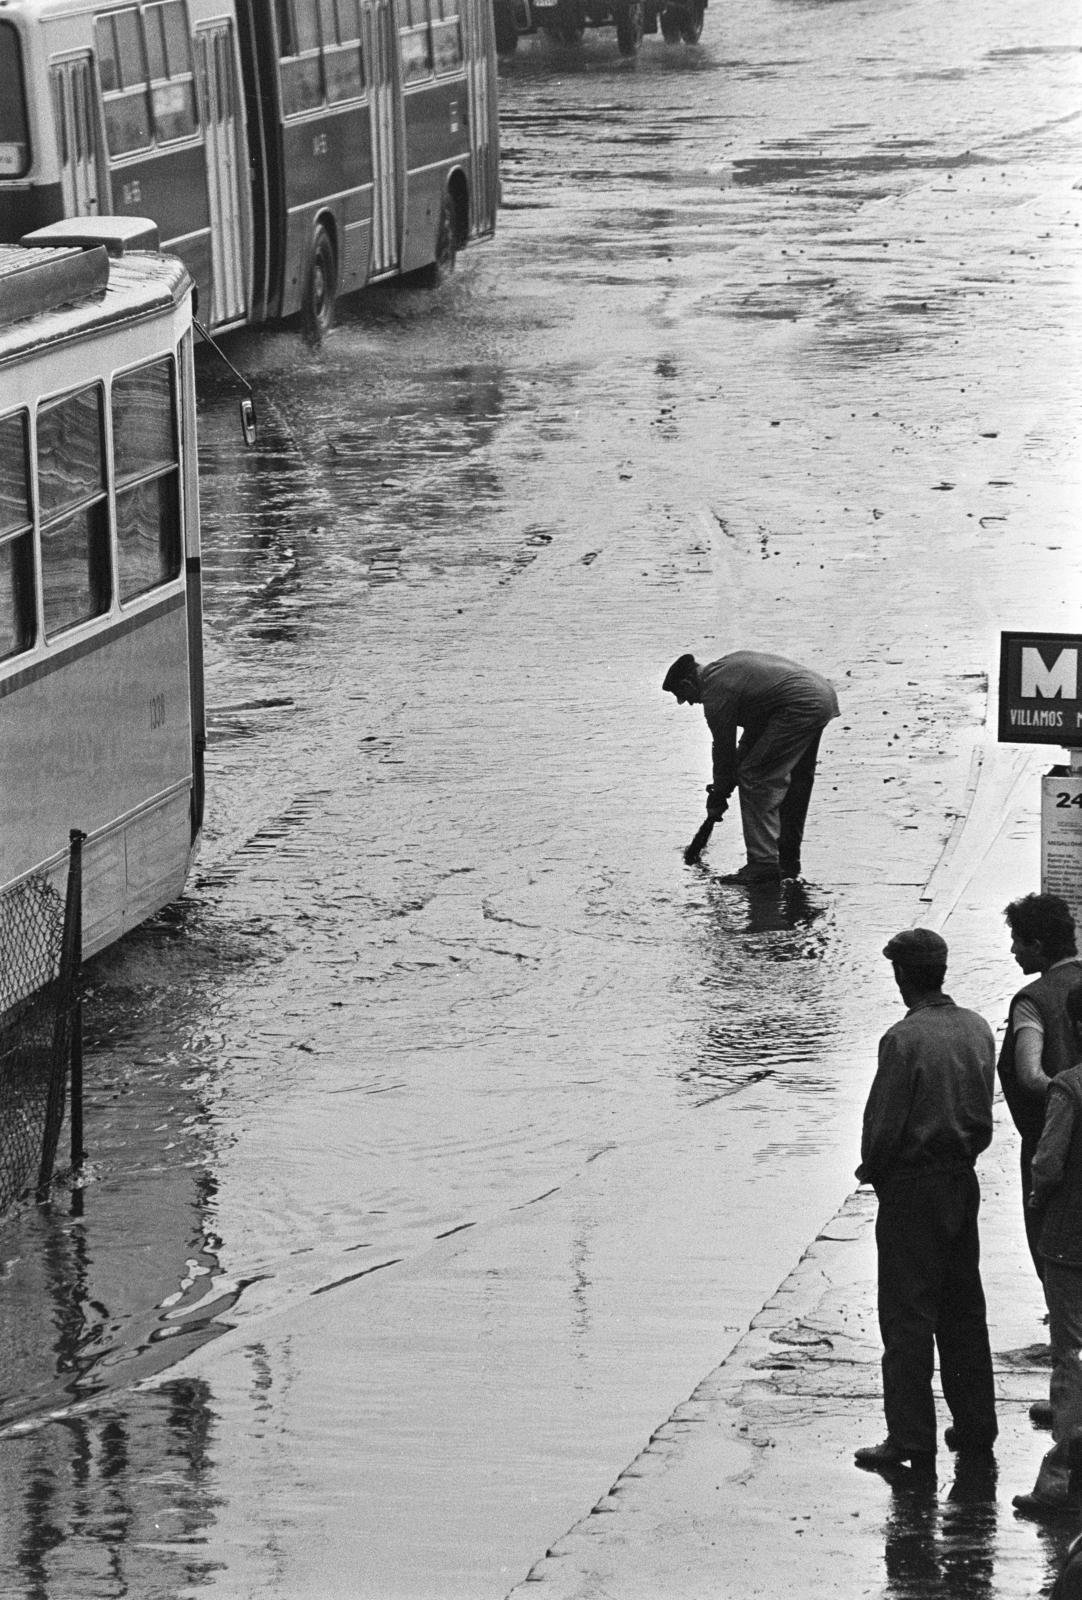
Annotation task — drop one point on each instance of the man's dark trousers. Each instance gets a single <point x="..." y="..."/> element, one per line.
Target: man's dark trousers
<point x="930" y="1295"/>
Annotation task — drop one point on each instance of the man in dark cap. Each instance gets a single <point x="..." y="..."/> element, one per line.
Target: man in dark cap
<point x="782" y="709"/>
<point x="928" y="1117"/>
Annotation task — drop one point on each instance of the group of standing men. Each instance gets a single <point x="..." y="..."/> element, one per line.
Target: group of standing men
<point x="927" y="1119"/>
<point x="929" y="1112"/>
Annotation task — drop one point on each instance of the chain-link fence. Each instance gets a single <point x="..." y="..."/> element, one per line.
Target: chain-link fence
<point x="40" y="1026"/>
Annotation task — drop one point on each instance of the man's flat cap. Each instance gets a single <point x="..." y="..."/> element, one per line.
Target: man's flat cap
<point x="916" y="947"/>
<point x="681" y="670"/>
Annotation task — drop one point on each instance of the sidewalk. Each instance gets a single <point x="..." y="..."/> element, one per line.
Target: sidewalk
<point x="749" y="1489"/>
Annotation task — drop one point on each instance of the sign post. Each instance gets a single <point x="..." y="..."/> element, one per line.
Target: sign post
<point x="1040" y="702"/>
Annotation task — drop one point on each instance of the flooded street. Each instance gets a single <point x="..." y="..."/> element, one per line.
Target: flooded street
<point x="451" y="1129"/>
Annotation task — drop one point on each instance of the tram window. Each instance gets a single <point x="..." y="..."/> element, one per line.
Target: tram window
<point x="148" y="534"/>
<point x="169" y="57"/>
<point x="300" y="64"/>
<point x="447" y="44"/>
<point x="416" y="51"/>
<point x="75" y="568"/>
<point x="341" y="25"/>
<point x="15" y="510"/>
<point x="122" y="67"/>
<point x="16" y="539"/>
<point x="147" y="479"/>
<point x="71" y="465"/>
<point x="14" y="136"/>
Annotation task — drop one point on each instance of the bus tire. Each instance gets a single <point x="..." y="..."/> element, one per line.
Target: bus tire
<point x="320" y="286"/>
<point x="630" y="22"/>
<point x="446" y="246"/>
<point x="672" y="29"/>
<point x="691" y="30"/>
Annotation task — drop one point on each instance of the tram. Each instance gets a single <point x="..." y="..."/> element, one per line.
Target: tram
<point x="288" y="150"/>
<point x="101" y="678"/>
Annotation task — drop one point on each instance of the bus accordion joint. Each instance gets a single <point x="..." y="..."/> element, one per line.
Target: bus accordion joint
<point x="247" y="405"/>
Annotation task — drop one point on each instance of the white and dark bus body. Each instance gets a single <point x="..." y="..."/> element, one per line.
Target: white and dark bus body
<point x="288" y="150"/>
<point x="101" y="682"/>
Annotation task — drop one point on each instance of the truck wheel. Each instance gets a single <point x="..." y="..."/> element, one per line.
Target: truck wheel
<point x="672" y="30"/>
<point x="629" y="26"/>
<point x="320" y="286"/>
<point x="692" y="28"/>
<point x="569" y="24"/>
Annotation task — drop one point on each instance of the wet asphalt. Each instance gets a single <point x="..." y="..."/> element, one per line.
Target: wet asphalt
<point x="450" y="1133"/>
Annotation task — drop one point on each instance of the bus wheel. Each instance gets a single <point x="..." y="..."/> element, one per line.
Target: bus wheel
<point x="671" y="26"/>
<point x="320" y="287"/>
<point x="446" y="246"/>
<point x="693" y="22"/>
<point x="629" y="27"/>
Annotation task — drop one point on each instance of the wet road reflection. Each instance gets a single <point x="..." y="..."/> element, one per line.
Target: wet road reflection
<point x="935" y="1547"/>
<point x="121" y="1494"/>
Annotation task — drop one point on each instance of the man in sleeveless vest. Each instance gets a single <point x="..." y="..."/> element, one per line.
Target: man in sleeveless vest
<point x="1055" y="1203"/>
<point x="1038" y="1043"/>
<point x="782" y="709"/>
<point x="928" y="1117"/>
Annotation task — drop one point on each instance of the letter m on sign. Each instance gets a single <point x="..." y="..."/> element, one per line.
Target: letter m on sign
<point x="1040" y="676"/>
<point x="1041" y="682"/>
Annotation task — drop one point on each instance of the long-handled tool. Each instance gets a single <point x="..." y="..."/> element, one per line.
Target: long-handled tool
<point x="698" y="844"/>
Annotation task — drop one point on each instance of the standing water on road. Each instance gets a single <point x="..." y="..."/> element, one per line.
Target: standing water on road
<point x="450" y="1129"/>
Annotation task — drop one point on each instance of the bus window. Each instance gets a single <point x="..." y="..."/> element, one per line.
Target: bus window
<point x="300" y="64"/>
<point x="14" y="138"/>
<point x="342" y="68"/>
<point x="16" y="539"/>
<point x="75" y="576"/>
<point x="147" y="479"/>
<point x="414" y="42"/>
<point x="446" y="36"/>
<point x="122" y="65"/>
<point x="169" y="58"/>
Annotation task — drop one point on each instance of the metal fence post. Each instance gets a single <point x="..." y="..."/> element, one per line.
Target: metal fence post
<point x="64" y="1049"/>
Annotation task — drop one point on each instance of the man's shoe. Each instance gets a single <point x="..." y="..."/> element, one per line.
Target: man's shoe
<point x="1042" y="1505"/>
<point x="752" y="874"/>
<point x="1040" y="1414"/>
<point x="882" y="1457"/>
<point x="966" y="1444"/>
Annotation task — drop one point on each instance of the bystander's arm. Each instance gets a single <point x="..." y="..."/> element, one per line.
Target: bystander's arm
<point x="886" y="1113"/>
<point x="1028" y="1050"/>
<point x="723" y="730"/>
<point x="1050" y="1158"/>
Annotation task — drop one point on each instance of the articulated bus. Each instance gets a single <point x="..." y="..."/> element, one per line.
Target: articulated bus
<point x="101" y="680"/>
<point x="288" y="150"/>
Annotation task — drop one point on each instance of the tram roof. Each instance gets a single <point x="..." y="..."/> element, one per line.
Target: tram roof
<point x="51" y="293"/>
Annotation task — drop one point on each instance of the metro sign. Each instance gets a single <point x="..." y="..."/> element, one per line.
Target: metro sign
<point x="1040" y="689"/>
